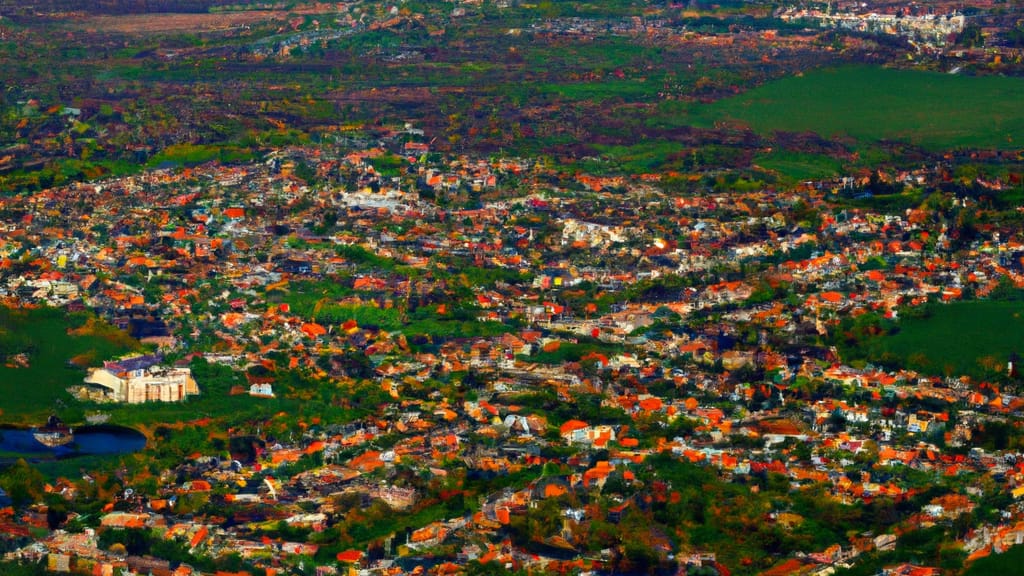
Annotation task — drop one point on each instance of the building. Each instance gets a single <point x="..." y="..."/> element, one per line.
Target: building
<point x="142" y="379"/>
<point x="262" y="390"/>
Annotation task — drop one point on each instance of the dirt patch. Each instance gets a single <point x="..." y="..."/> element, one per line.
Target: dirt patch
<point x="163" y="23"/>
<point x="779" y="426"/>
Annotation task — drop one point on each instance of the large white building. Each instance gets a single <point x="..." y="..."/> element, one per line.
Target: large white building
<point x="142" y="379"/>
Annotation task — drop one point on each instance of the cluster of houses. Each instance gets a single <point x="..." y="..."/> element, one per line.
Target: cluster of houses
<point x="933" y="29"/>
<point x="675" y="306"/>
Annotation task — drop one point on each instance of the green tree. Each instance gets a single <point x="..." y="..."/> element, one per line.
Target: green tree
<point x="971" y="36"/>
<point x="23" y="483"/>
<point x="305" y="172"/>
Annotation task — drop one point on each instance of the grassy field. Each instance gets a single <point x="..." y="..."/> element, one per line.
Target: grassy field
<point x="647" y="156"/>
<point x="930" y="109"/>
<point x="958" y="338"/>
<point x="43" y="336"/>
<point x="798" y="166"/>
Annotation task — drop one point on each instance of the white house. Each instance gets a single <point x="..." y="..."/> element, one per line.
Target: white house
<point x="142" y="379"/>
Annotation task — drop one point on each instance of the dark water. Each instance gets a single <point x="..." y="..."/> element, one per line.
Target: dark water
<point x="89" y="440"/>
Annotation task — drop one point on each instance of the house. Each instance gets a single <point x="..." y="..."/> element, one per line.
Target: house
<point x="350" y="556"/>
<point x="907" y="569"/>
<point x="574" y="431"/>
<point x="142" y="379"/>
<point x="579" y="432"/>
<point x="122" y="520"/>
<point x="949" y="506"/>
<point x="885" y="542"/>
<point x="736" y="359"/>
<point x="262" y="390"/>
<point x="299" y="548"/>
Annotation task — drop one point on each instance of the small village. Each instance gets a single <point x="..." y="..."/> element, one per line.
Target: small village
<point x="538" y="349"/>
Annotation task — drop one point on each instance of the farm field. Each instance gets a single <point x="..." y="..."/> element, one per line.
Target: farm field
<point x="797" y="166"/>
<point x="930" y="109"/>
<point x="959" y="338"/>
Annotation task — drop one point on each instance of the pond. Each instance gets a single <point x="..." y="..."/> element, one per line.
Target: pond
<point x="87" y="440"/>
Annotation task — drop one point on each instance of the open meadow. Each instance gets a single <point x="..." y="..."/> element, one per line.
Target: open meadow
<point x="930" y="109"/>
<point x="973" y="338"/>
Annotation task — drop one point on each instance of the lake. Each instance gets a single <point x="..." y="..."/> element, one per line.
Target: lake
<point x="88" y="440"/>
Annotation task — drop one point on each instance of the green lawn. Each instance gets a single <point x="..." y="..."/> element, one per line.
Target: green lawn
<point x="931" y="109"/>
<point x="956" y="338"/>
<point x="31" y="392"/>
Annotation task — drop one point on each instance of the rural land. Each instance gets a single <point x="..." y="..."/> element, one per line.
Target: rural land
<point x="481" y="287"/>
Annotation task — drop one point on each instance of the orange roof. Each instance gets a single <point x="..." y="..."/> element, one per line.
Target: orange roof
<point x="350" y="556"/>
<point x="280" y="456"/>
<point x="572" y="425"/>
<point x="312" y="329"/>
<point x="201" y="486"/>
<point x="552" y="490"/>
<point x="552" y="346"/>
<point x="791" y="566"/>
<point x="650" y="404"/>
<point x="832" y="297"/>
<point x="199" y="537"/>
<point x="367" y="461"/>
<point x="504" y="517"/>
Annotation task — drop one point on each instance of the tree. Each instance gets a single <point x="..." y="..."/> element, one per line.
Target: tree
<point x="1015" y="37"/>
<point x="133" y="541"/>
<point x="23" y="483"/>
<point x="836" y="421"/>
<point x="971" y="36"/>
<point x="305" y="172"/>
<point x="56" y="513"/>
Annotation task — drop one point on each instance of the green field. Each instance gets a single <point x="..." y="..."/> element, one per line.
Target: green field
<point x="797" y="166"/>
<point x="42" y="336"/>
<point x="997" y="564"/>
<point x="930" y="109"/>
<point x="959" y="338"/>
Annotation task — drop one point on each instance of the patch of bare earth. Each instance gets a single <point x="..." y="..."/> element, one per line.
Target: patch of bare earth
<point x="162" y="23"/>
